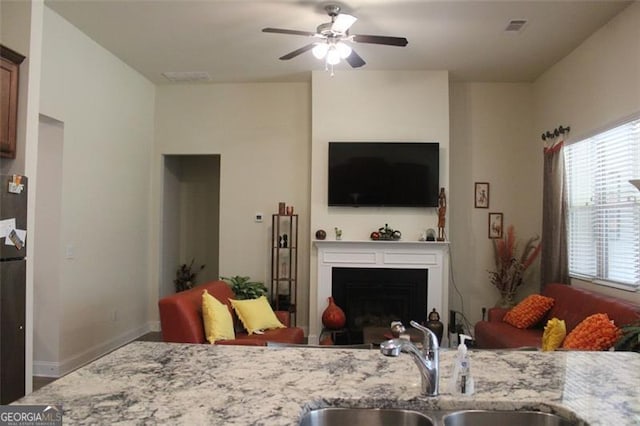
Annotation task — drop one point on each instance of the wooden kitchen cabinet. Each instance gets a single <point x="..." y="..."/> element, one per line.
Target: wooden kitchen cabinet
<point x="9" y="77"/>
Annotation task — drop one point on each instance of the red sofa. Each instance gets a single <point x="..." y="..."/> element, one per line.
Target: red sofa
<point x="181" y="319"/>
<point x="571" y="304"/>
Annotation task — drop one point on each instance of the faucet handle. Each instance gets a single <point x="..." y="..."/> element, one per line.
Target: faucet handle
<point x="429" y="341"/>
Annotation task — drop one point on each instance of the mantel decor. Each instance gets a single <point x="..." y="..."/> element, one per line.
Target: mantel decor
<point x="386" y="234"/>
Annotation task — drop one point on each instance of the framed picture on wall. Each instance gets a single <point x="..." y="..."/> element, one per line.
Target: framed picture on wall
<point x="495" y="225"/>
<point x="481" y="195"/>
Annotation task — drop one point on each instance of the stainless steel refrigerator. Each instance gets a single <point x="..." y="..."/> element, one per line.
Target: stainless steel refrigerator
<point x="13" y="249"/>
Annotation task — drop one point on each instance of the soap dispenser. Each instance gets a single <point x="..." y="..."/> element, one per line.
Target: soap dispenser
<point x="461" y="380"/>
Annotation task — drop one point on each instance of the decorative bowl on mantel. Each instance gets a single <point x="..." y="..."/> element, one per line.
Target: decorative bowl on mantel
<point x="386" y="234"/>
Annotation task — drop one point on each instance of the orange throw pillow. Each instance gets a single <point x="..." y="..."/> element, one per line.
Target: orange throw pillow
<point x="529" y="311"/>
<point x="595" y="333"/>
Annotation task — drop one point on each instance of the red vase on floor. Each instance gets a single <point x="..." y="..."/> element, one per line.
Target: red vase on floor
<point x="333" y="317"/>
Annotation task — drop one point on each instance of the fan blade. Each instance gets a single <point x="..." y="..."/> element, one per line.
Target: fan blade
<point x="291" y="32"/>
<point x="298" y="52"/>
<point x="390" y="41"/>
<point x="342" y="23"/>
<point x="355" y="60"/>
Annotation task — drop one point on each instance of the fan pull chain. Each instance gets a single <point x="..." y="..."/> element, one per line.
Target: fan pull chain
<point x="326" y="67"/>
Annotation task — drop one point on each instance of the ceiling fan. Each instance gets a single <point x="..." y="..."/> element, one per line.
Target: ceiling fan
<point x="331" y="37"/>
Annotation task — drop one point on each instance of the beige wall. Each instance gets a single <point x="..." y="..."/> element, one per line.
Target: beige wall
<point x="261" y="132"/>
<point x="391" y="106"/>
<point x="107" y="110"/>
<point x="491" y="141"/>
<point x="595" y="86"/>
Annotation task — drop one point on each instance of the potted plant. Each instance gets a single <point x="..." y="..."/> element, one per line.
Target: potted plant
<point x="185" y="277"/>
<point x="243" y="288"/>
<point x="510" y="267"/>
<point x="630" y="339"/>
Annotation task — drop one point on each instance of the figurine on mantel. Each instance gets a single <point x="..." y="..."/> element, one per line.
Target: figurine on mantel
<point x="442" y="211"/>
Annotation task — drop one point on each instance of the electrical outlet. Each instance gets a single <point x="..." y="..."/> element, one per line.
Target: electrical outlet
<point x="259" y="217"/>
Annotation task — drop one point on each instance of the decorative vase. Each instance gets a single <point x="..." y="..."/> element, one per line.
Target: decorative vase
<point x="506" y="301"/>
<point x="333" y="317"/>
<point x="434" y="324"/>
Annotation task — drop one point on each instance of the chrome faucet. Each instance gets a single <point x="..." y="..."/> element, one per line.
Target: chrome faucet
<point x="426" y="359"/>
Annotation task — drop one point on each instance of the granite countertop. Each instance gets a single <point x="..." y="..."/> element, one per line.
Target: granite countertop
<point x="149" y="383"/>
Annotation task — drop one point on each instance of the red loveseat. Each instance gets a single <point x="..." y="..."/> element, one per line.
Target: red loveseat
<point x="571" y="304"/>
<point x="181" y="319"/>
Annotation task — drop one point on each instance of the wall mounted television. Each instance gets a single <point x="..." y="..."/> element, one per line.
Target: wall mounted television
<point x="389" y="174"/>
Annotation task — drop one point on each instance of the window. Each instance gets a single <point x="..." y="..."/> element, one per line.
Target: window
<point x="604" y="208"/>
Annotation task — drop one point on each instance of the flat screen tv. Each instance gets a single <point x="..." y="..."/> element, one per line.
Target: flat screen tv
<point x="390" y="174"/>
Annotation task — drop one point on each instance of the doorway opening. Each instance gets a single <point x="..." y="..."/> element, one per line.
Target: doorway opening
<point x="46" y="244"/>
<point x="190" y="217"/>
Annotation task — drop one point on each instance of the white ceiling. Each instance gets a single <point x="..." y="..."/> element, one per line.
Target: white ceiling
<point x="224" y="38"/>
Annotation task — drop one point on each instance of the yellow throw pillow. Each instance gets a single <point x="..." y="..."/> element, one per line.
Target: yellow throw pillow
<point x="529" y="311"/>
<point x="256" y="314"/>
<point x="554" y="333"/>
<point x="218" y="324"/>
<point x="595" y="333"/>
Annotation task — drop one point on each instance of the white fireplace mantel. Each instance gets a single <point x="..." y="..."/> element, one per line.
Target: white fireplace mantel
<point x="433" y="256"/>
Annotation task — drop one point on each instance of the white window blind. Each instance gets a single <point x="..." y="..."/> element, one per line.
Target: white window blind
<point x="604" y="208"/>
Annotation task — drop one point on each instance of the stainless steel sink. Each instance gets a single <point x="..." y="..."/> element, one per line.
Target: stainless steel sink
<point x="393" y="417"/>
<point x="365" y="416"/>
<point x="495" y="418"/>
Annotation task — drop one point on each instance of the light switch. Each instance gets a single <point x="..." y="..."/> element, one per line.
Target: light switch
<point x="70" y="251"/>
<point x="259" y="217"/>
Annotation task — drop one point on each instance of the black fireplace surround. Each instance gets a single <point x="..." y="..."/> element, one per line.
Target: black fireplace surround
<point x="373" y="297"/>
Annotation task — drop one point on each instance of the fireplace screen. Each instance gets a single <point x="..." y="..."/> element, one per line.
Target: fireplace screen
<point x="374" y="297"/>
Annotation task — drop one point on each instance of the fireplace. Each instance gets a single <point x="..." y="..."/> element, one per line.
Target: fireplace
<point x="373" y="297"/>
<point x="430" y="258"/>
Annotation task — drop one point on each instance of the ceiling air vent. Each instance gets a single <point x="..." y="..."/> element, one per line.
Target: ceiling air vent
<point x="187" y="76"/>
<point x="515" y="25"/>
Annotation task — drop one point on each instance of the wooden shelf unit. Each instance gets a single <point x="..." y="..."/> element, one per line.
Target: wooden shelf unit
<point x="284" y="263"/>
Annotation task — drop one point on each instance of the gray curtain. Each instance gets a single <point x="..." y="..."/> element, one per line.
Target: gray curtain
<point x="554" y="258"/>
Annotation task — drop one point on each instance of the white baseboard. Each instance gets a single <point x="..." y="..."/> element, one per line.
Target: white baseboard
<point x="313" y="339"/>
<point x="154" y="326"/>
<point x="59" y="369"/>
<point x="46" y="369"/>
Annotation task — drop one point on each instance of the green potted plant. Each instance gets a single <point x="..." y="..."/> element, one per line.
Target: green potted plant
<point x="186" y="277"/>
<point x="630" y="339"/>
<point x="244" y="288"/>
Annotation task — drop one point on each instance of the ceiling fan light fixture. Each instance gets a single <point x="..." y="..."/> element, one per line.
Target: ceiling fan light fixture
<point x="320" y="50"/>
<point x="330" y="37"/>
<point x="333" y="55"/>
<point x="343" y="49"/>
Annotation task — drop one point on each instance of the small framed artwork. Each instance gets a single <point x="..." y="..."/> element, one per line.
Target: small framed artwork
<point x="495" y="225"/>
<point x="482" y="195"/>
